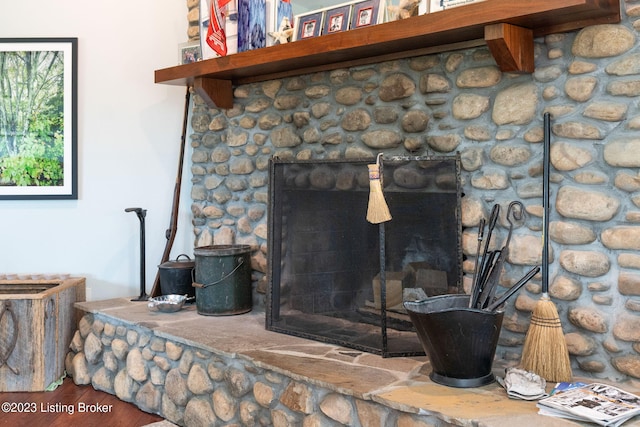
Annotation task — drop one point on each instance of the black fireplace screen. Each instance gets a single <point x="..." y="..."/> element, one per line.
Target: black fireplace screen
<point x="325" y="280"/>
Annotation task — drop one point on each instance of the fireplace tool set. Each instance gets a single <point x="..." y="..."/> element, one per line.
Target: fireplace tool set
<point x="489" y="264"/>
<point x="460" y="332"/>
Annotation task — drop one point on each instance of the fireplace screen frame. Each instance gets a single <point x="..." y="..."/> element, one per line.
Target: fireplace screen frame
<point x="387" y="325"/>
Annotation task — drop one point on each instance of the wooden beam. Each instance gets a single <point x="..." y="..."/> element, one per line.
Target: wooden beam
<point x="511" y="46"/>
<point x="215" y="92"/>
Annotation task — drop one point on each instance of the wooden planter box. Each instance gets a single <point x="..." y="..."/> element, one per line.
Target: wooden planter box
<point x="37" y="323"/>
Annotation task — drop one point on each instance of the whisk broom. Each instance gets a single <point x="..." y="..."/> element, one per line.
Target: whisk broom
<point x="378" y="211"/>
<point x="545" y="349"/>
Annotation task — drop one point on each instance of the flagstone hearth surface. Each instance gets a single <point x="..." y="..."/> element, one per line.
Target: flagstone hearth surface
<point x="401" y="383"/>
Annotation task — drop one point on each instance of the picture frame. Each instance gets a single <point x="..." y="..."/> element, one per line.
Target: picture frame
<point x="438" y="5"/>
<point x="365" y="13"/>
<point x="230" y="25"/>
<point x="205" y="49"/>
<point x="189" y="52"/>
<point x="309" y="25"/>
<point x="282" y="10"/>
<point x="38" y="158"/>
<point x="337" y="19"/>
<point x="280" y="22"/>
<point x="252" y="24"/>
<point x="396" y="10"/>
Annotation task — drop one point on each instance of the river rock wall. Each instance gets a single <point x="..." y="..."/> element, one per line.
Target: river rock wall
<point x="459" y="101"/>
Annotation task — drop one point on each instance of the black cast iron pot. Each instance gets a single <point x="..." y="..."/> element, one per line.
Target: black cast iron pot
<point x="176" y="276"/>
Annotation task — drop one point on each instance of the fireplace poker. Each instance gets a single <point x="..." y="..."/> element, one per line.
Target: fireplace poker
<point x="502" y="298"/>
<point x="488" y="278"/>
<point x="141" y="213"/>
<point x="475" y="267"/>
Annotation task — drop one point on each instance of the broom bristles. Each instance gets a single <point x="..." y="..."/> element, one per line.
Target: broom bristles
<point x="545" y="349"/>
<point x="378" y="211"/>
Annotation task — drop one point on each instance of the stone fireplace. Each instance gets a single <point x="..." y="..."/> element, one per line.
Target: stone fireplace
<point x="326" y="282"/>
<point x="230" y="369"/>
<point x="460" y="102"/>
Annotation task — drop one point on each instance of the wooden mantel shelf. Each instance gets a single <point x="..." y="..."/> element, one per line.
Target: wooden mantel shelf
<point x="508" y="27"/>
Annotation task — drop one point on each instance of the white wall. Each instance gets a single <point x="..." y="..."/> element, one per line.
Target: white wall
<point x="128" y="144"/>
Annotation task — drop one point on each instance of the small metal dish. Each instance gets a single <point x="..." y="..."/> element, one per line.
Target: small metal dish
<point x="167" y="303"/>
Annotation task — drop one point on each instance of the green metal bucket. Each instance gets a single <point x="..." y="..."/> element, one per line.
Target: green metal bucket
<point x="223" y="279"/>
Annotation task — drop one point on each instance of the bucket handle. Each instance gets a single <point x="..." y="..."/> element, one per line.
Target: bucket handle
<point x="226" y="276"/>
<point x="178" y="257"/>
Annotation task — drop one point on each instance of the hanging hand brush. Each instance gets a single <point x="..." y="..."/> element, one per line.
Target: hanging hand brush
<point x="378" y="210"/>
<point x="545" y="349"/>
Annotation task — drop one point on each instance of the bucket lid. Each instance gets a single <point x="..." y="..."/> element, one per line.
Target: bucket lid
<point x="179" y="263"/>
<point x="221" y="250"/>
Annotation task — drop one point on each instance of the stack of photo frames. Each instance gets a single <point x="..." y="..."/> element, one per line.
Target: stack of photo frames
<point x="355" y="14"/>
<point x="341" y="17"/>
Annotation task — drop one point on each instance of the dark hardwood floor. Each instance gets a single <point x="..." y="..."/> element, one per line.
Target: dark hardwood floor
<point x="70" y="405"/>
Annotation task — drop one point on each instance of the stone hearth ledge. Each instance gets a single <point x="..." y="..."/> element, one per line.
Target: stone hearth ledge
<point x="399" y="383"/>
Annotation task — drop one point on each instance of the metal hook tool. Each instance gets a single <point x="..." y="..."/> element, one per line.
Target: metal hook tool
<point x="517" y="215"/>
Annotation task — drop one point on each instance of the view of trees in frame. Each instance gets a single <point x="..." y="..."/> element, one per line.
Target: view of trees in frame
<point x="33" y="103"/>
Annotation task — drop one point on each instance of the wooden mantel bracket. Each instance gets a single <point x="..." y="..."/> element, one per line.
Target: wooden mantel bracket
<point x="511" y="46"/>
<point x="215" y="92"/>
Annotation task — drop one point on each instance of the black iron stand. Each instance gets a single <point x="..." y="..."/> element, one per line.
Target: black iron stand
<point x="141" y="214"/>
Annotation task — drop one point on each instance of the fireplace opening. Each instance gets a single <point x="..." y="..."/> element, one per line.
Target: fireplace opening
<point x="325" y="277"/>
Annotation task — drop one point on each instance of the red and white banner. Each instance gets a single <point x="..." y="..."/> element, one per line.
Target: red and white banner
<point x="216" y="37"/>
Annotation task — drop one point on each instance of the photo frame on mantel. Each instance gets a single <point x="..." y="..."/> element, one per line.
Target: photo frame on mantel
<point x="189" y="52"/>
<point x="38" y="128"/>
<point x="337" y="19"/>
<point x="365" y="13"/>
<point x="309" y="25"/>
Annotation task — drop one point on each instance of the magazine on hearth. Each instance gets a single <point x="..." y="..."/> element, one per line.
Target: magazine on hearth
<point x="597" y="403"/>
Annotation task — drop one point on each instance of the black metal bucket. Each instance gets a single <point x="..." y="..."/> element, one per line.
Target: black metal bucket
<point x="460" y="341"/>
<point x="176" y="276"/>
<point x="223" y="280"/>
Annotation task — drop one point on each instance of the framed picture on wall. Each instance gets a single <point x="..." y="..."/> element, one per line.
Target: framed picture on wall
<point x="337" y="19"/>
<point x="38" y="127"/>
<point x="309" y="25"/>
<point x="365" y="13"/>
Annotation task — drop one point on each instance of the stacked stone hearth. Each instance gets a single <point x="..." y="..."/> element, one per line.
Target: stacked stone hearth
<point x="193" y="386"/>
